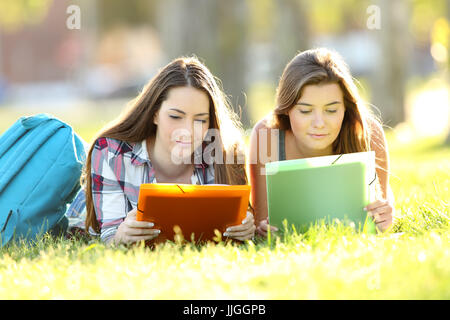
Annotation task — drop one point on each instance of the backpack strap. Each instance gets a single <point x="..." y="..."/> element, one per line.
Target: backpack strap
<point x="28" y="145"/>
<point x="10" y="137"/>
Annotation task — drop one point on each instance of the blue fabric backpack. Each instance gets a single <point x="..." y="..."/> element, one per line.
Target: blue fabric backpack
<point x="41" y="159"/>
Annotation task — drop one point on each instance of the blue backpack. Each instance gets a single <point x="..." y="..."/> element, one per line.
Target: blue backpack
<point x="41" y="159"/>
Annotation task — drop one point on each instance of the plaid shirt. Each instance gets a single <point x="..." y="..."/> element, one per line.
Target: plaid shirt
<point x="118" y="169"/>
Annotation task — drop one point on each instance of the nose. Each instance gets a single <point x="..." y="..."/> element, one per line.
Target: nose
<point x="191" y="130"/>
<point x="318" y="121"/>
<point x="197" y="130"/>
<point x="183" y="131"/>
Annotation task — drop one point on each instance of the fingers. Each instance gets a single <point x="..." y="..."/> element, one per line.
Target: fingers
<point x="265" y="224"/>
<point x="261" y="232"/>
<point x="383" y="226"/>
<point x="250" y="231"/>
<point x="142" y="232"/>
<point x="381" y="211"/>
<point x="249" y="237"/>
<point x="246" y="223"/>
<point x="132" y="227"/>
<point x="131" y="221"/>
<point x="134" y="239"/>
<point x="374" y="205"/>
<point x="240" y="231"/>
<point x="130" y="230"/>
<point x="241" y="227"/>
<point x="139" y="238"/>
<point x="244" y="231"/>
<point x="378" y="207"/>
<point x="132" y="212"/>
<point x="380" y="217"/>
<point x="242" y="235"/>
<point x="248" y="218"/>
<point x="137" y="224"/>
<point x="263" y="228"/>
<point x="130" y="235"/>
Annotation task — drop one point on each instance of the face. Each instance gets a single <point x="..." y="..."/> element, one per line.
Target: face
<point x="317" y="117"/>
<point x="182" y="121"/>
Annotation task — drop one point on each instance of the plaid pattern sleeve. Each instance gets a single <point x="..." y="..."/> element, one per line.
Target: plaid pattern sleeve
<point x="110" y="201"/>
<point x="77" y="213"/>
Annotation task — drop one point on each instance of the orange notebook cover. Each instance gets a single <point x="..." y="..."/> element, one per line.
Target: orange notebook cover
<point x="197" y="209"/>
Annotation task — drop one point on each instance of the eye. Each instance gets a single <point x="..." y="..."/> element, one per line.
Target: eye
<point x="174" y="117"/>
<point x="202" y="121"/>
<point x="332" y="111"/>
<point x="305" y="111"/>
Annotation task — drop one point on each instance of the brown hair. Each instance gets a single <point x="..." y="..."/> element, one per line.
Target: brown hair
<point x="134" y="126"/>
<point x="318" y="66"/>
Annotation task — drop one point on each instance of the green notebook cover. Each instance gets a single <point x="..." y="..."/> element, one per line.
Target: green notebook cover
<point x="306" y="191"/>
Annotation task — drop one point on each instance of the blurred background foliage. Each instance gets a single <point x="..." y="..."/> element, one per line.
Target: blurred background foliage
<point x="86" y="75"/>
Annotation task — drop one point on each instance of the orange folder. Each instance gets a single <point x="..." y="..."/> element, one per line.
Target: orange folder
<point x="196" y="209"/>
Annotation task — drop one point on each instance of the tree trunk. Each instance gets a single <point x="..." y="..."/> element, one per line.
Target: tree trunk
<point x="231" y="45"/>
<point x="291" y="32"/>
<point x="216" y="32"/>
<point x="389" y="85"/>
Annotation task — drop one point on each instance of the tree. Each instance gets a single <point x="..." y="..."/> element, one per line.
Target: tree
<point x="291" y="31"/>
<point x="389" y="85"/>
<point x="216" y="32"/>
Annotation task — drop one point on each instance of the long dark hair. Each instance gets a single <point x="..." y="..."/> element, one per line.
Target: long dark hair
<point x="133" y="125"/>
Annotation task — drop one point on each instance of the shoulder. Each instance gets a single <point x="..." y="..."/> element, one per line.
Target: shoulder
<point x="254" y="138"/>
<point x="110" y="151"/>
<point x="262" y="124"/>
<point x="377" y="136"/>
<point x="375" y="128"/>
<point x="261" y="139"/>
<point x="114" y="146"/>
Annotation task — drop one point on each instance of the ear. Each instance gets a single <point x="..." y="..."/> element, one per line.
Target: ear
<point x="156" y="117"/>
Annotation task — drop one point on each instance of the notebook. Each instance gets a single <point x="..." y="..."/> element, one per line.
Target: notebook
<point x="197" y="210"/>
<point x="307" y="191"/>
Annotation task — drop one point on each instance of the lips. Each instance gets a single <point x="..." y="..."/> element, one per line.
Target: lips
<point x="184" y="143"/>
<point x="317" y="136"/>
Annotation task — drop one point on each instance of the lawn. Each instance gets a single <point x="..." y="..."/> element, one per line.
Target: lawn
<point x="411" y="261"/>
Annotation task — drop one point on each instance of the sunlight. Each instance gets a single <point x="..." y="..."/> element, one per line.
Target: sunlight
<point x="429" y="113"/>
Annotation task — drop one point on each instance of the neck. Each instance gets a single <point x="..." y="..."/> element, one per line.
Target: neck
<point x="162" y="162"/>
<point x="305" y="152"/>
<point x="317" y="153"/>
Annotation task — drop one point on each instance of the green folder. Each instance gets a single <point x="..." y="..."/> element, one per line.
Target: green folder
<point x="306" y="191"/>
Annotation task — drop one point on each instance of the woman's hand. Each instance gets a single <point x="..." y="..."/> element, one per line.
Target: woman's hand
<point x="131" y="230"/>
<point x="263" y="228"/>
<point x="242" y="232"/>
<point x="382" y="213"/>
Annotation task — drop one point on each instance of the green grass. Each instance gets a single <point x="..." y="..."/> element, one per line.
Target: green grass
<point x="411" y="261"/>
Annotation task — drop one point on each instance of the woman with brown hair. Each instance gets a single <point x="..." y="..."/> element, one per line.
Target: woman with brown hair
<point x="156" y="140"/>
<point x="319" y="113"/>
